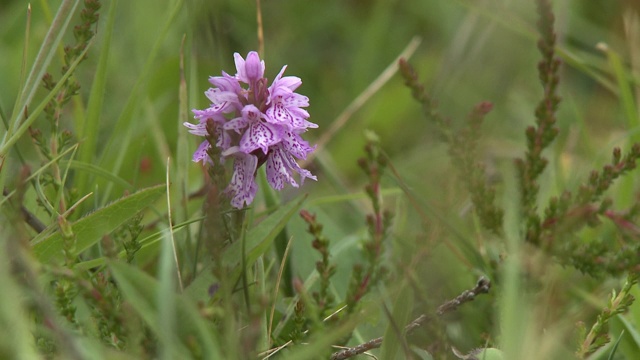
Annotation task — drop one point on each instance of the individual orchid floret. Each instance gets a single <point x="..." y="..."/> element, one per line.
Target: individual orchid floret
<point x="254" y="124"/>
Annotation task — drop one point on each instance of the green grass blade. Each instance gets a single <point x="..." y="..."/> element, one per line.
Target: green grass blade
<point x="167" y="297"/>
<point x="12" y="137"/>
<point x="38" y="172"/>
<point x="628" y="345"/>
<point x="97" y="171"/>
<point x="400" y="316"/>
<point x="615" y="346"/>
<point x="258" y="241"/>
<point x="122" y="130"/>
<point x="141" y="291"/>
<point x="624" y="89"/>
<point x="45" y="54"/>
<point x="88" y="128"/>
<point x="282" y="239"/>
<point x="513" y="319"/>
<point x="260" y="238"/>
<point x="17" y="343"/>
<point x="91" y="228"/>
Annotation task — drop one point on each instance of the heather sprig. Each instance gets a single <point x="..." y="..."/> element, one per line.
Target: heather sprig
<point x="567" y="214"/>
<point x="83" y="33"/>
<point x="99" y="291"/>
<point x="463" y="151"/>
<point x="429" y="104"/>
<point x="599" y="182"/>
<point x="128" y="235"/>
<point x="65" y="291"/>
<point x="462" y="147"/>
<point x="299" y="323"/>
<point x="61" y="139"/>
<point x="619" y="303"/>
<point x="584" y="205"/>
<point x="545" y="131"/>
<point x="68" y="240"/>
<point x="324" y="299"/>
<point x="365" y="277"/>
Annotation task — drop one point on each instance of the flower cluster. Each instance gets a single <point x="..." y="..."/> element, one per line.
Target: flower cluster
<point x="255" y="125"/>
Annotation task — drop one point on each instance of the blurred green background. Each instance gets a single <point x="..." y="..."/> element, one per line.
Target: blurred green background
<point x="470" y="51"/>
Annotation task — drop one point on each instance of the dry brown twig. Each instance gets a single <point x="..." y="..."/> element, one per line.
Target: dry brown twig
<point x="482" y="287"/>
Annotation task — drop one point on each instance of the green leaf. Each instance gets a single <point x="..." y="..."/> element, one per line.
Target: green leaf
<point x="90" y="229"/>
<point x="143" y="293"/>
<point x="258" y="241"/>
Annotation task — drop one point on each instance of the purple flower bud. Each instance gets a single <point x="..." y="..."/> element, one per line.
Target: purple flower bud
<point x="251" y="70"/>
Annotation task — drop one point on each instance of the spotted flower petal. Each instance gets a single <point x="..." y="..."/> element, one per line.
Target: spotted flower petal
<point x="242" y="188"/>
<point x="197" y="129"/>
<point x="287" y="83"/>
<point x="294" y="144"/>
<point x="280" y="169"/>
<point x="237" y="124"/>
<point x="201" y="153"/>
<point x="260" y="135"/>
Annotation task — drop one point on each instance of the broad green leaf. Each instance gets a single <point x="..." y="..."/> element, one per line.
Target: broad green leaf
<point x="151" y="241"/>
<point x="91" y="228"/>
<point x="258" y="241"/>
<point x="142" y="292"/>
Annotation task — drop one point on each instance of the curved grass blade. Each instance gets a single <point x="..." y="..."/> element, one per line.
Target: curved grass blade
<point x="615" y="346"/>
<point x="98" y="171"/>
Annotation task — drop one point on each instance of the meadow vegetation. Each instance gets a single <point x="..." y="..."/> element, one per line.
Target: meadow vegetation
<point x="476" y="192"/>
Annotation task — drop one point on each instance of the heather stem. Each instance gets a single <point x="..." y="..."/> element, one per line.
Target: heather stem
<point x="544" y="132"/>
